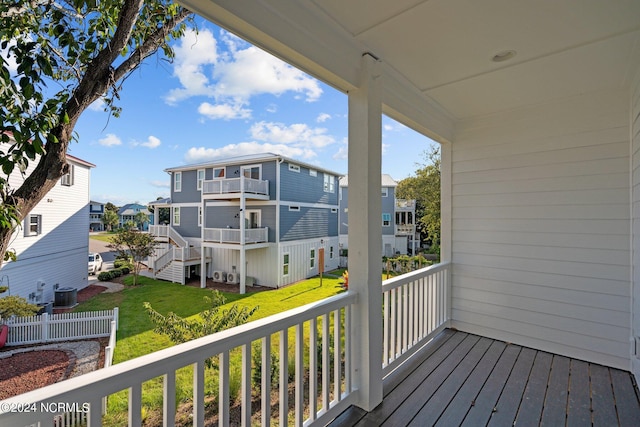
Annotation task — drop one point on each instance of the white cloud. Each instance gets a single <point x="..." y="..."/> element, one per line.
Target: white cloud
<point x="151" y="142"/>
<point x="202" y="154"/>
<point x="297" y="134"/>
<point x="110" y="140"/>
<point x="97" y="105"/>
<point x="224" y="111"/>
<point x="193" y="52"/>
<point x="233" y="74"/>
<point x="160" y="184"/>
<point x="343" y="151"/>
<point x="323" y="117"/>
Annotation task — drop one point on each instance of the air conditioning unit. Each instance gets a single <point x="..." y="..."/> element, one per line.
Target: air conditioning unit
<point x="219" y="276"/>
<point x="233" y="278"/>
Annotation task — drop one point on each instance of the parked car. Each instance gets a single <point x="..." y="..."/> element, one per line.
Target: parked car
<point x="95" y="263"/>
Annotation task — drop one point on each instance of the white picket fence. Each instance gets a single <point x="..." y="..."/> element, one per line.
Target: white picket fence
<point x="60" y="327"/>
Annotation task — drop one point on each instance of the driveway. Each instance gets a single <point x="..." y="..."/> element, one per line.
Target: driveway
<point x="108" y="256"/>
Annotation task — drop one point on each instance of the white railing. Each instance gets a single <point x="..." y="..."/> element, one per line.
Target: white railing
<point x="111" y="345"/>
<point x="233" y="185"/>
<point x="405" y="204"/>
<point x="168" y="232"/>
<point x="321" y="369"/>
<point x="416" y="307"/>
<point x="60" y="327"/>
<point x="232" y="235"/>
<point x="408" y="230"/>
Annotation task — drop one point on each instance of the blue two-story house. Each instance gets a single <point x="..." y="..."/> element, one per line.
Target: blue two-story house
<point x="260" y="219"/>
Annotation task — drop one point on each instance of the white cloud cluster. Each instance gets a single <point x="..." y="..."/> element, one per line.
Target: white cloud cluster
<point x="110" y="140"/>
<point x="297" y="134"/>
<point x="203" y="154"/>
<point x="151" y="142"/>
<point x="231" y="72"/>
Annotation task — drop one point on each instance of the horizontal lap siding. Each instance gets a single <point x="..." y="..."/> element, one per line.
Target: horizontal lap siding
<point x="540" y="227"/>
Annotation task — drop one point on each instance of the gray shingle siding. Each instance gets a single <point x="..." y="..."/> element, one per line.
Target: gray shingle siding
<point x="224" y="216"/>
<point x="189" y="192"/>
<point x="303" y="188"/>
<point x="188" y="222"/>
<point x="307" y="223"/>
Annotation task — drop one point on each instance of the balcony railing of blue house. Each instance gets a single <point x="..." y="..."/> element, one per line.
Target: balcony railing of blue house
<point x="416" y="306"/>
<point x="233" y="235"/>
<point x="405" y="205"/>
<point x="227" y="186"/>
<point x="405" y="229"/>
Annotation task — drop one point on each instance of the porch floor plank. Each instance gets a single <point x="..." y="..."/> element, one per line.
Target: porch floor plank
<point x="464" y="379"/>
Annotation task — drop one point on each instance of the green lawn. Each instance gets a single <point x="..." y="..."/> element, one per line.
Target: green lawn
<point x="136" y="336"/>
<point x="105" y="237"/>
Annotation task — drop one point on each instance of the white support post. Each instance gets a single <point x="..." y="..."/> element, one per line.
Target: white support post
<point x="203" y="250"/>
<point x="243" y="262"/>
<point x="365" y="229"/>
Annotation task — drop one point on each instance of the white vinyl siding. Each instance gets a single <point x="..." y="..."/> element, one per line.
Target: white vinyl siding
<point x="540" y="227"/>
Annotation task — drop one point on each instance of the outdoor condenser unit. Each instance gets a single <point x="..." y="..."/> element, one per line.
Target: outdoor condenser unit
<point x="233" y="278"/>
<point x="219" y="276"/>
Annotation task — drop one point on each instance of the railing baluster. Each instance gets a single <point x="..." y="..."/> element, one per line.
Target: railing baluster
<point x="135" y="405"/>
<point x="198" y="393"/>
<point x="284" y="377"/>
<point x="337" y="356"/>
<point x="385" y="329"/>
<point x="265" y="396"/>
<point x="223" y="389"/>
<point x="299" y="375"/>
<point x="246" y="385"/>
<point x="326" y="363"/>
<point x="313" y="368"/>
<point x="169" y="399"/>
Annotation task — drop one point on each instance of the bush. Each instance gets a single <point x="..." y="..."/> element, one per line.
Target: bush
<point x="116" y="273"/>
<point x="105" y="276"/>
<point x="125" y="270"/>
<point x="14" y="305"/>
<point x="256" y="375"/>
<point x="123" y="263"/>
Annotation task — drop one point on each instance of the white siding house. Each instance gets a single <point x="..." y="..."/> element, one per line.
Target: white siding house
<point x="53" y="242"/>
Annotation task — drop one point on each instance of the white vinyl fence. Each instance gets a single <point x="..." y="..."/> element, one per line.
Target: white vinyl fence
<point x="60" y="327"/>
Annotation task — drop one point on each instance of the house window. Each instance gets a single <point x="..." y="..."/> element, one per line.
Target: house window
<point x="199" y="216"/>
<point x="285" y="264"/>
<point x="312" y="258"/>
<point x="33" y="225"/>
<point x="253" y="172"/>
<point x="385" y="192"/>
<point x="329" y="183"/>
<point x="67" y="179"/>
<point x="200" y="179"/>
<point x="218" y="173"/>
<point x="294" y="208"/>
<point x="313" y="172"/>
<point x="386" y="220"/>
<point x="177" y="181"/>
<point x="176" y="215"/>
<point x="330" y="252"/>
<point x="294" y="168"/>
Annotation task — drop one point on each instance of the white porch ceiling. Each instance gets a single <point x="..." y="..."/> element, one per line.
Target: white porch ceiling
<point x="438" y="53"/>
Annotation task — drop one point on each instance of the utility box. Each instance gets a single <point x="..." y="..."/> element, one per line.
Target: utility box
<point x="66" y="297"/>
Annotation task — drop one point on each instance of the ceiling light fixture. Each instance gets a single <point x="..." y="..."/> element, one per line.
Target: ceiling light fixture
<point x="505" y="55"/>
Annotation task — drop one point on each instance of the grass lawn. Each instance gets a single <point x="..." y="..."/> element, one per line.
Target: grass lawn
<point x="104" y="237"/>
<point x="136" y="336"/>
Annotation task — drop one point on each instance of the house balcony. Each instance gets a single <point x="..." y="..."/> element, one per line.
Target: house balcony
<point x="405" y="229"/>
<point x="233" y="235"/>
<point x="429" y="373"/>
<point x="234" y="188"/>
<point x="405" y="205"/>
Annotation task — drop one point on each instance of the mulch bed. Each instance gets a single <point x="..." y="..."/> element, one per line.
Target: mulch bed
<point x="24" y="372"/>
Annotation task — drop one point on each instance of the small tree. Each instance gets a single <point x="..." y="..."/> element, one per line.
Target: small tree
<point x="109" y="219"/>
<point x="141" y="219"/>
<point x="14" y="305"/>
<point x="180" y="330"/>
<point x="135" y="244"/>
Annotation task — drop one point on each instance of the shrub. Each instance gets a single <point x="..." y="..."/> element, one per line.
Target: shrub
<point x="256" y="375"/>
<point x="116" y="273"/>
<point x="14" y="305"/>
<point x="105" y="276"/>
<point x="125" y="270"/>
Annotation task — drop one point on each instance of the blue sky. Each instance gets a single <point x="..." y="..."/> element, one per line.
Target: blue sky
<point x="221" y="97"/>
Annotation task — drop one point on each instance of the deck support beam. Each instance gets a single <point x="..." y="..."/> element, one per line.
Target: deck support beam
<point x="365" y="229"/>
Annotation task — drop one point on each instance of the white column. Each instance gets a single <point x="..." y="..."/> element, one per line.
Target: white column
<point x="203" y="255"/>
<point x="365" y="233"/>
<point x="243" y="262"/>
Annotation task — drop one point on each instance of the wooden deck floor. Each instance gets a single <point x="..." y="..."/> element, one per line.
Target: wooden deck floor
<point x="466" y="380"/>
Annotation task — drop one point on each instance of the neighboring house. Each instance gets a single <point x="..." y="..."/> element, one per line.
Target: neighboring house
<point x="96" y="210"/>
<point x="52" y="243"/>
<point x="128" y="213"/>
<point x="262" y="219"/>
<point x="398" y="219"/>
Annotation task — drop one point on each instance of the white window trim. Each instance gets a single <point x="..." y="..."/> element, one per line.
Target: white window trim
<point x="224" y="172"/>
<point x="175" y="210"/>
<point x="177" y="182"/>
<point x="313" y="172"/>
<point x="287" y="264"/>
<point x="294" y="168"/>
<point x="383" y="224"/>
<point x="247" y="216"/>
<point x="199" y="180"/>
<point x="385" y="192"/>
<point x="329" y="183"/>
<point x="199" y="216"/>
<point x="27" y="225"/>
<point x="68" y="179"/>
<point x="312" y="259"/>
<point x="245" y="167"/>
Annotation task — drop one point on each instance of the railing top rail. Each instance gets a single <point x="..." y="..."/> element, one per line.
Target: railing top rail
<point x="398" y="281"/>
<point x="126" y="374"/>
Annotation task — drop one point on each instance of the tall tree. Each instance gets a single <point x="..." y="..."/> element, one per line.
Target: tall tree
<point x="424" y="187"/>
<point x="82" y="48"/>
<point x="109" y="219"/>
<point x="141" y="219"/>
